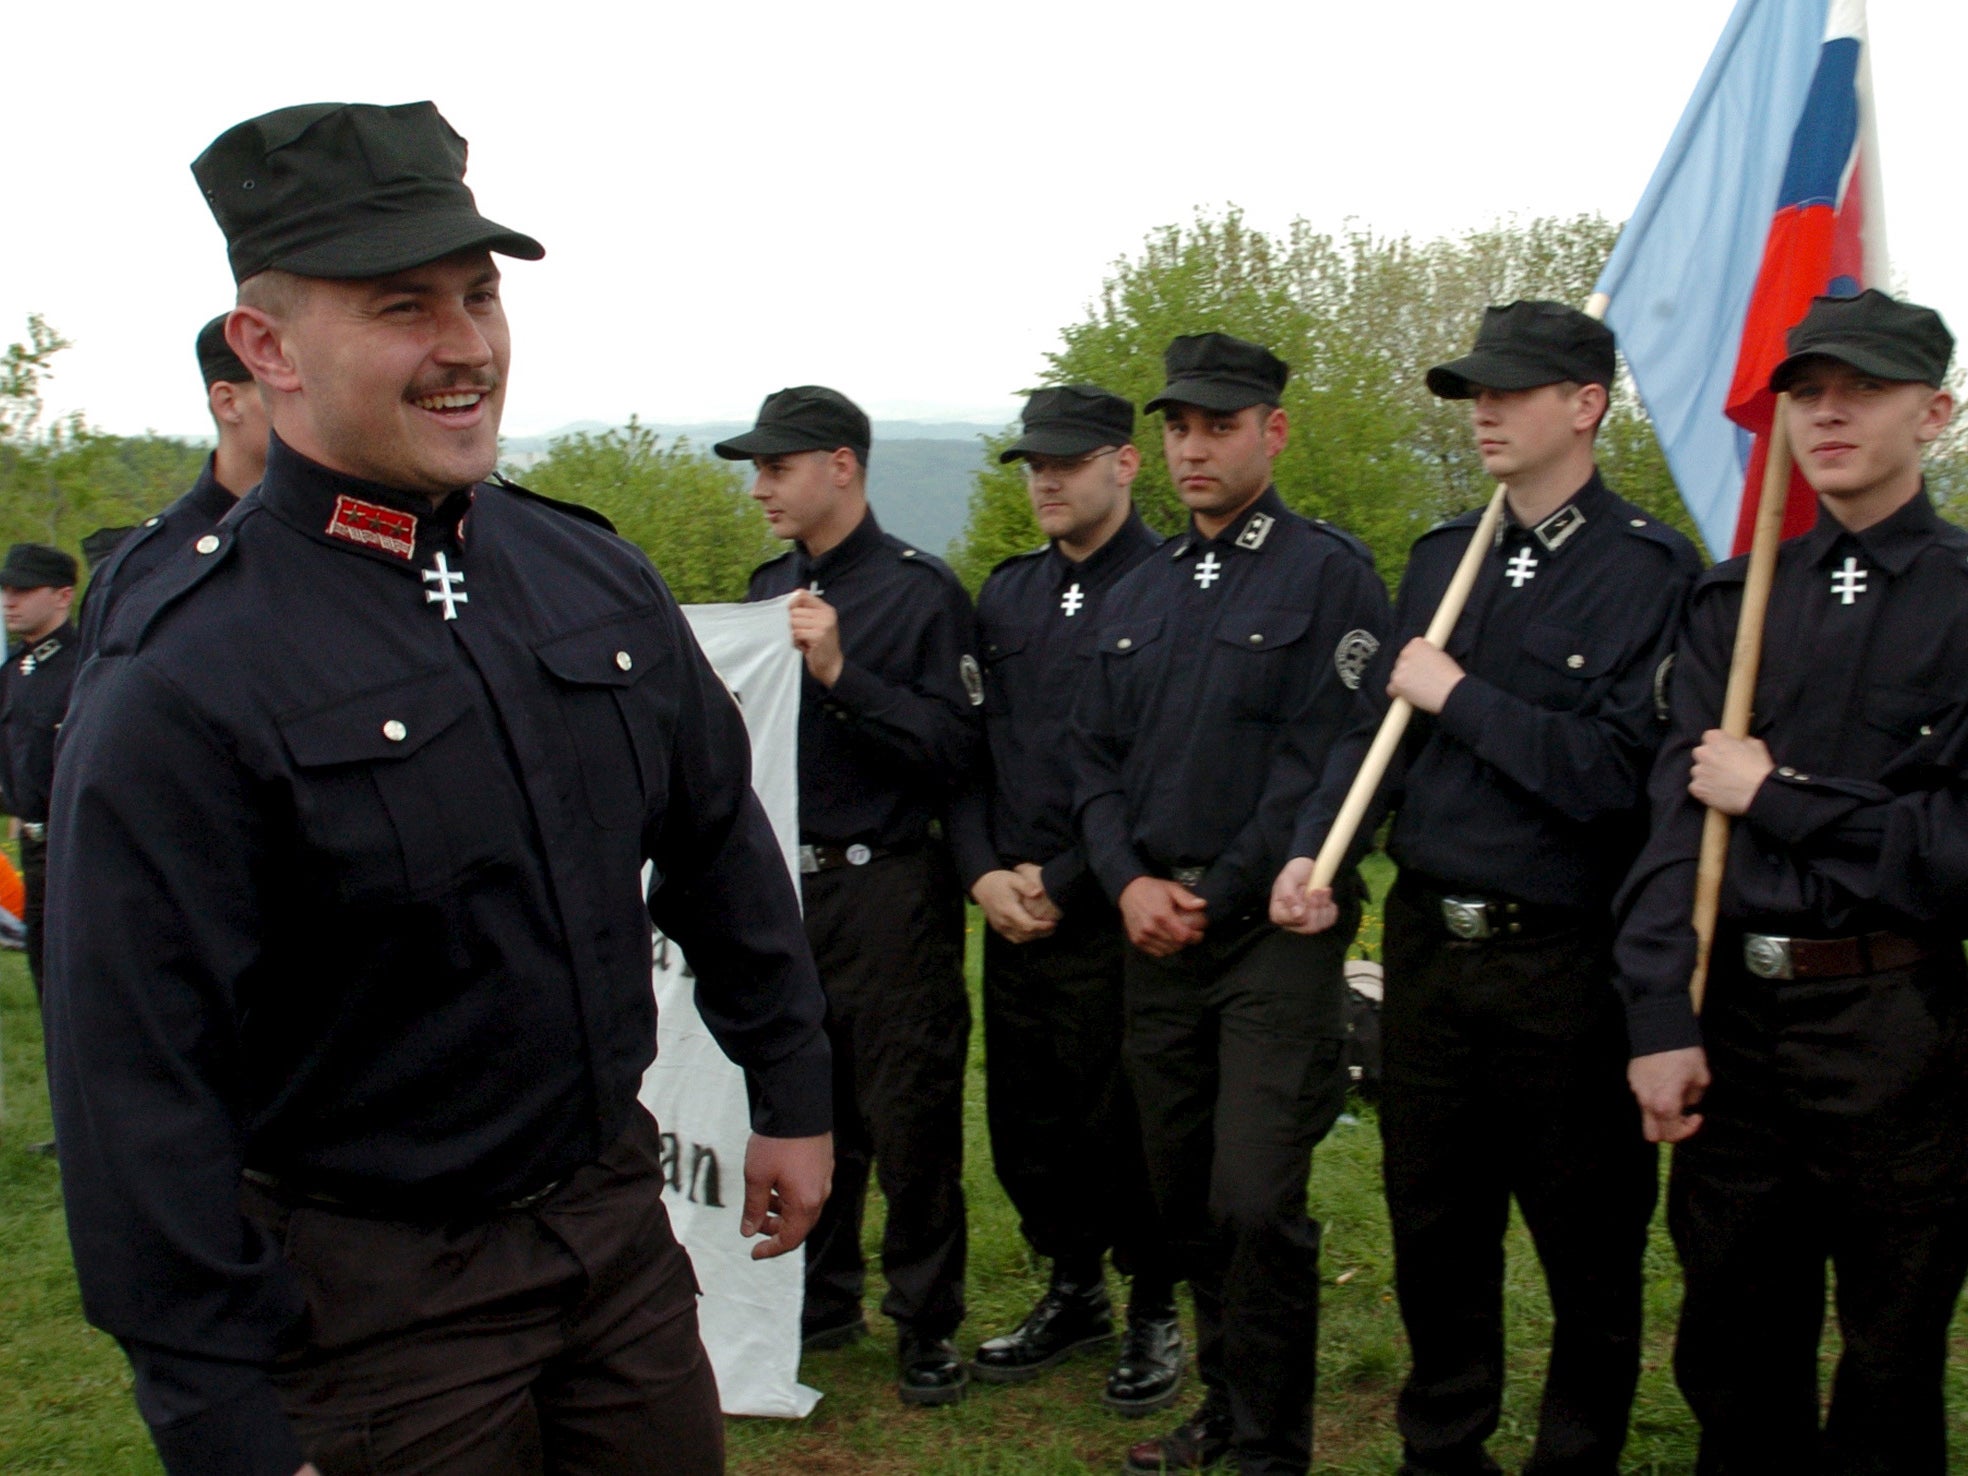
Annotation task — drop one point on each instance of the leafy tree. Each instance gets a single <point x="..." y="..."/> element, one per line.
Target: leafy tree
<point x="688" y="511"/>
<point x="1360" y="318"/>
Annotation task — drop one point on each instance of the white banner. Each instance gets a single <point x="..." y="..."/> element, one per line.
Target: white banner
<point x="750" y="1310"/>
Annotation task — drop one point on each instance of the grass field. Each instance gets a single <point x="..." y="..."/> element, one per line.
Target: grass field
<point x="64" y="1388"/>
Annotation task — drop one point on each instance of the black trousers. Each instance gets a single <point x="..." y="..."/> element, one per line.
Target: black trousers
<point x="888" y="938"/>
<point x="559" y="1340"/>
<point x="1234" y="1048"/>
<point x="1505" y="1075"/>
<point x="34" y="882"/>
<point x="1835" y="1132"/>
<point x="1064" y="1133"/>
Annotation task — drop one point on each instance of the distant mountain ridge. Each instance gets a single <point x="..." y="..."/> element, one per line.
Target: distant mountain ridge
<point x="919" y="472"/>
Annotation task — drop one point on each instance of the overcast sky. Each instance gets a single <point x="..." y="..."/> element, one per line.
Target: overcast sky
<point x="904" y="201"/>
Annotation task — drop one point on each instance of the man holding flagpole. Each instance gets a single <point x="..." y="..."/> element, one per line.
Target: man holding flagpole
<point x="1822" y="1098"/>
<point x="1519" y="795"/>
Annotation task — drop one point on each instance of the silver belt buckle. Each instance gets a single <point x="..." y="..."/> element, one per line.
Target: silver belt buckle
<point x="1466" y="919"/>
<point x="1767" y="957"/>
<point x="34" y="830"/>
<point x="1187" y="875"/>
<point x="809" y="860"/>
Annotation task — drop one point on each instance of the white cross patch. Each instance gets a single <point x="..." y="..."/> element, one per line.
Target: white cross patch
<point x="1848" y="581"/>
<point x="1071" y="601"/>
<point x="450" y="588"/>
<point x="1521" y="570"/>
<point x="1209" y="570"/>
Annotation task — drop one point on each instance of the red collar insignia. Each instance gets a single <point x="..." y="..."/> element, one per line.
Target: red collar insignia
<point x="376" y="527"/>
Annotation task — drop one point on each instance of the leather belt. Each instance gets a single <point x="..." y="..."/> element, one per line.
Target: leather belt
<point x="34" y="830"/>
<point x="1770" y="957"/>
<point x="294" y="1196"/>
<point x="816" y="858"/>
<point x="1469" y="918"/>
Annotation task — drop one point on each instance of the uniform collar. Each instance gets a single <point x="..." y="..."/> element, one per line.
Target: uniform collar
<point x="1559" y="530"/>
<point x="1891" y="543"/>
<point x="1251" y="531"/>
<point x="207" y="497"/>
<point x="1131" y="536"/>
<point x="61" y="637"/>
<point x="864" y="540"/>
<point x="360" y="517"/>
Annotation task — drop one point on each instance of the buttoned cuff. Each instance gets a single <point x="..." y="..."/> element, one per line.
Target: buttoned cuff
<point x="857" y="691"/>
<point x="794" y="1098"/>
<point x="1789" y="808"/>
<point x="1661" y="1023"/>
<point x="235" y="1427"/>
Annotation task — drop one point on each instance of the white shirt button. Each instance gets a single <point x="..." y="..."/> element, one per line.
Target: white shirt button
<point x="1574" y="662"/>
<point x="624" y="660"/>
<point x="208" y="544"/>
<point x="395" y="731"/>
<point x="1123" y="644"/>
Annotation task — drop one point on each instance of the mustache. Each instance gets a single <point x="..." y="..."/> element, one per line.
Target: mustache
<point x="454" y="384"/>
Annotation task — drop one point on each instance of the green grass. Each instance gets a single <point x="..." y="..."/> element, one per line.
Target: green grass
<point x="64" y="1388"/>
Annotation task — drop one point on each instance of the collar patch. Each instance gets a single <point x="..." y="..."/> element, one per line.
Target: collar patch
<point x="1555" y="531"/>
<point x="374" y="526"/>
<point x="1256" y="531"/>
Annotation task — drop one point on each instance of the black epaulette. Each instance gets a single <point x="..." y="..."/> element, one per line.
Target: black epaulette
<point x="572" y="509"/>
<point x="1346" y="540"/>
<point x="1465" y="521"/>
<point x="1018" y="558"/>
<point x="1638" y="523"/>
<point x="174" y="580"/>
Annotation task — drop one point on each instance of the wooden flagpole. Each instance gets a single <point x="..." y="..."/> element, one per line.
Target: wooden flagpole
<point x="1739" y="696"/>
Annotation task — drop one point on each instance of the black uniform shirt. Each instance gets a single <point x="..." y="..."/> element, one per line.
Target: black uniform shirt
<point x="882" y="751"/>
<point x="1531" y="783"/>
<point x="1223" y="676"/>
<point x="137" y="557"/>
<point x="1037" y="625"/>
<point x="347" y="892"/>
<point x="1862" y="697"/>
<point x="32" y="707"/>
<point x="33" y="703"/>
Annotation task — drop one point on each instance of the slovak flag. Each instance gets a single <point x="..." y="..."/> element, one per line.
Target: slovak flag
<point x="1768" y="195"/>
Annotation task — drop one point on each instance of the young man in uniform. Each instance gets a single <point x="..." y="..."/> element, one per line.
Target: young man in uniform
<point x="37" y="587"/>
<point x="1064" y="1134"/>
<point x="349" y="993"/>
<point x="234" y="467"/>
<point x="1225" y="668"/>
<point x="1519" y="800"/>
<point x="888" y="732"/>
<point x="1821" y="1101"/>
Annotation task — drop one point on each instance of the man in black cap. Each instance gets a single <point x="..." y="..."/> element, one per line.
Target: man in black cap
<point x="1064" y="1134"/>
<point x="349" y="985"/>
<point x="1820" y="1103"/>
<point x="1225" y="665"/>
<point x="235" y="466"/>
<point x="1519" y="800"/>
<point x="37" y="587"/>
<point x="888" y="731"/>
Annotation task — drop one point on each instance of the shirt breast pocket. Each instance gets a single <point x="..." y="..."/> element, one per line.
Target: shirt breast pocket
<point x="1563" y="667"/>
<point x="403" y="791"/>
<point x="1910" y="721"/>
<point x="618" y="712"/>
<point x="1005" y="659"/>
<point x="1255" y="666"/>
<point x="1132" y="661"/>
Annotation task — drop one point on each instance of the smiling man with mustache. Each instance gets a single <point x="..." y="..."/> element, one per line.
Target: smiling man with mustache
<point x="354" y="999"/>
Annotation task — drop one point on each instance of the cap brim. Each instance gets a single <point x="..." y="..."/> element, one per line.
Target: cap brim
<point x="1459" y="379"/>
<point x="406" y="241"/>
<point x="32" y="581"/>
<point x="773" y="440"/>
<point x="1867" y="358"/>
<point x="1060" y="440"/>
<point x="1210" y="394"/>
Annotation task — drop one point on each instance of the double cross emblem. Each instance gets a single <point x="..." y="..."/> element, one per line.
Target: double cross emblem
<point x="1848" y="581"/>
<point x="449" y="592"/>
<point x="1072" y="600"/>
<point x="1209" y="570"/>
<point x="1521" y="570"/>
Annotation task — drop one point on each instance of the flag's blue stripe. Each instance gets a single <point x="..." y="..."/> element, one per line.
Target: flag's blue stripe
<point x="1828" y="131"/>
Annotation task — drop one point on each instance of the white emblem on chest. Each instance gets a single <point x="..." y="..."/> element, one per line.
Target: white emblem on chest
<point x="1848" y="581"/>
<point x="1209" y="570"/>
<point x="1071" y="601"/>
<point x="450" y="591"/>
<point x="1521" y="570"/>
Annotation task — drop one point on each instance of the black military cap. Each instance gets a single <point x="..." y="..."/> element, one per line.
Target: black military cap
<point x="1523" y="345"/>
<point x="1875" y="334"/>
<point x="806" y="417"/>
<point x="37" y="566"/>
<point x="216" y="360"/>
<point x="1219" y="372"/>
<point x="1071" y="421"/>
<point x="346" y="190"/>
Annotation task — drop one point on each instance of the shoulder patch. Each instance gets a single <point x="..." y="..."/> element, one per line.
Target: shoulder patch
<point x="1662" y="674"/>
<point x="973" y="679"/>
<point x="1355" y="652"/>
<point x="572" y="509"/>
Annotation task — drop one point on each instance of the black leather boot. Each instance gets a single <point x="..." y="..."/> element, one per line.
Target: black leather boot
<point x="1196" y="1444"/>
<point x="928" y="1370"/>
<point x="1148" y="1375"/>
<point x="1067" y="1318"/>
